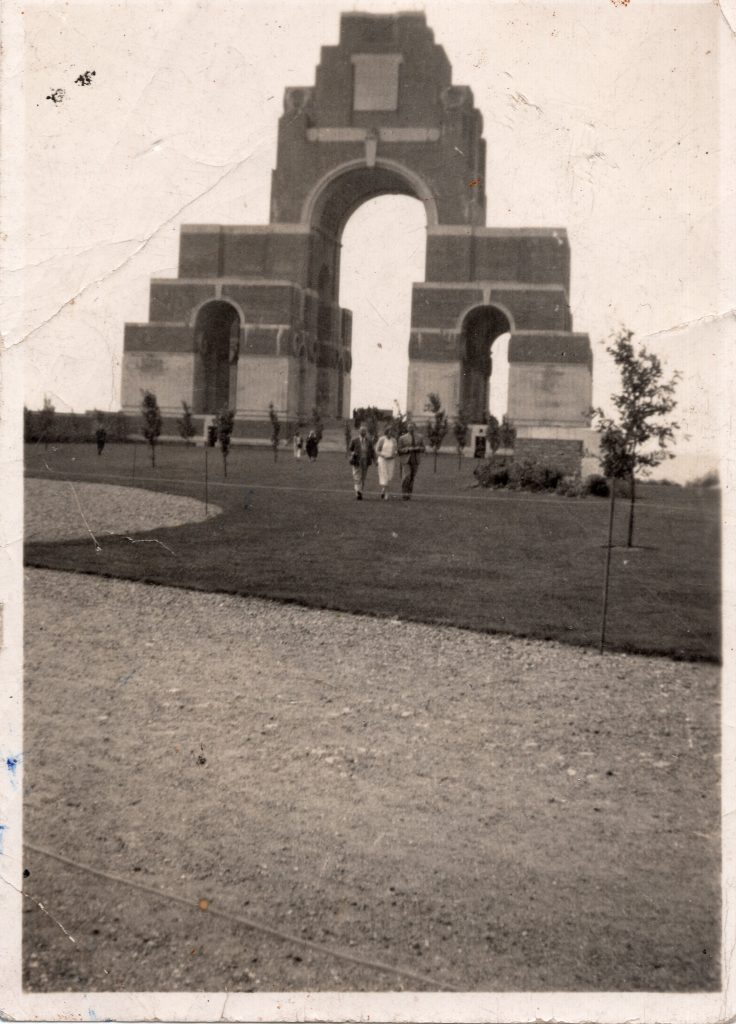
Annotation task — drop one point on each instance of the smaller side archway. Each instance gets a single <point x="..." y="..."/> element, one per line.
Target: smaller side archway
<point x="481" y="327"/>
<point x="217" y="347"/>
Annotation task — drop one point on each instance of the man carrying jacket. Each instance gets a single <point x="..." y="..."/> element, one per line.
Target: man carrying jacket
<point x="362" y="455"/>
<point x="411" y="449"/>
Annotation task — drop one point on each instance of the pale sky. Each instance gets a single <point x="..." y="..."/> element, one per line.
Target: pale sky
<point x="600" y="118"/>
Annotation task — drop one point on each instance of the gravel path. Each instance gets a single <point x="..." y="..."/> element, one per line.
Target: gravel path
<point x="59" y="510"/>
<point x="487" y="812"/>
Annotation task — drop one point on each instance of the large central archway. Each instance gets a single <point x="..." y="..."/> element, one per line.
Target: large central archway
<point x="327" y="210"/>
<point x="382" y="255"/>
<point x="340" y="192"/>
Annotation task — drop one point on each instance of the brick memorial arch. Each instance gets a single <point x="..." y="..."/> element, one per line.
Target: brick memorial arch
<point x="254" y="313"/>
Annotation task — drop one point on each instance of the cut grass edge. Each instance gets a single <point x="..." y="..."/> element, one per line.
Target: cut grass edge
<point x="335" y="606"/>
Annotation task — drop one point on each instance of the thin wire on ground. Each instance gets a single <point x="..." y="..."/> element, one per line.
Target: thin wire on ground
<point x="249" y="922"/>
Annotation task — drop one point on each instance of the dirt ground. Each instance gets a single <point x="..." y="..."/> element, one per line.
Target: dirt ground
<point x="485" y="812"/>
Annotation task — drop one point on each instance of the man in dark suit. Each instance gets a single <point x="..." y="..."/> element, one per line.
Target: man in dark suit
<point x="411" y="449"/>
<point x="362" y="455"/>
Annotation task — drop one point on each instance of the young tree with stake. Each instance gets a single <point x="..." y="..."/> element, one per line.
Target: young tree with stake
<point x="461" y="429"/>
<point x="275" y="430"/>
<point x="151" y="422"/>
<point x="370" y="415"/>
<point x="506" y="433"/>
<point x="493" y="435"/>
<point x="317" y="424"/>
<point x="399" y="421"/>
<point x="187" y="430"/>
<point x="437" y="425"/>
<point x="225" y="424"/>
<point x="47" y="420"/>
<point x="638" y="439"/>
<point x="100" y="433"/>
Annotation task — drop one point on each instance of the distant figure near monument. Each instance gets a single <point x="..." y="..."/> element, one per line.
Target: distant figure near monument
<point x="254" y="316"/>
<point x="312" y="446"/>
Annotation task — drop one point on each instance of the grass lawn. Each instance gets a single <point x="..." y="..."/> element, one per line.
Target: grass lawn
<point x="510" y="562"/>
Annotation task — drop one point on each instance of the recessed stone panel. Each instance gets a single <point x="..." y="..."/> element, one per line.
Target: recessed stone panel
<point x="376" y="81"/>
<point x="549" y="394"/>
<point x="169" y="375"/>
<point x="261" y="341"/>
<point x="425" y="377"/>
<point x="435" y="346"/>
<point x="262" y="380"/>
<point x="562" y="454"/>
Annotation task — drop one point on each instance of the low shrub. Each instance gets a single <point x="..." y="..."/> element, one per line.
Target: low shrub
<point x="493" y="472"/>
<point x="532" y="475"/>
<point x="571" y="487"/>
<point x="597" y="485"/>
<point x="526" y="475"/>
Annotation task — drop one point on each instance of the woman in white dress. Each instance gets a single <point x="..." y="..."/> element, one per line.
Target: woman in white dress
<point x="386" y="452"/>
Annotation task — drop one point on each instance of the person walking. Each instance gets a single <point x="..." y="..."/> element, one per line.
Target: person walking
<point x="298" y="445"/>
<point x="411" y="449"/>
<point x="362" y="455"/>
<point x="386" y="460"/>
<point x="312" y="446"/>
<point x="101" y="439"/>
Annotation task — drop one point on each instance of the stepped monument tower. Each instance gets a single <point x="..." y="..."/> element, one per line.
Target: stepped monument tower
<point x="254" y="316"/>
